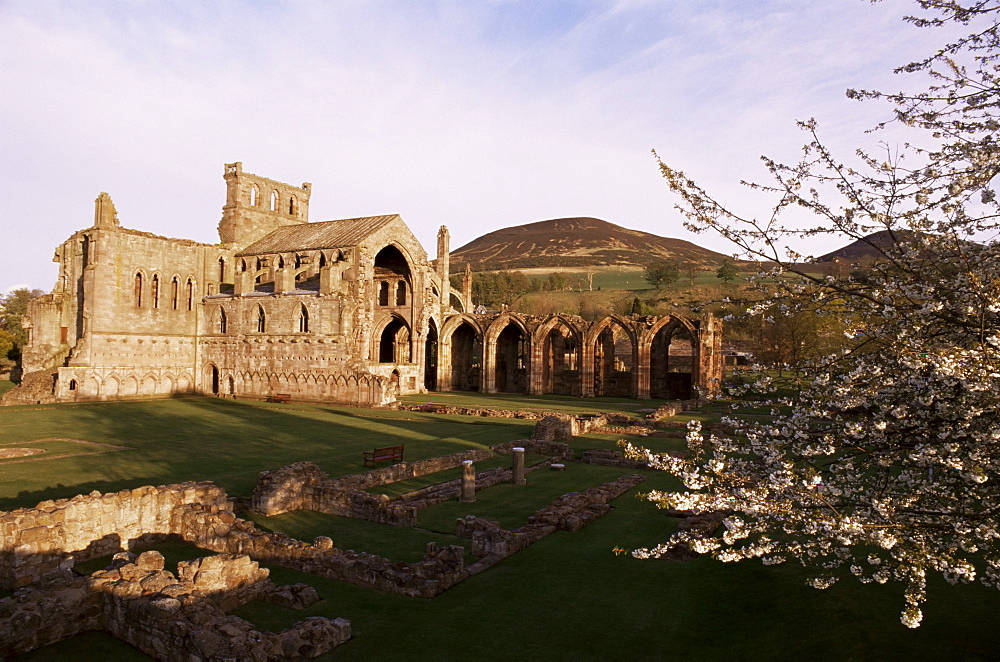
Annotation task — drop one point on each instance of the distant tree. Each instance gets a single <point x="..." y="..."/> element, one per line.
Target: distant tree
<point x="498" y="288"/>
<point x="13" y="308"/>
<point x="691" y="270"/>
<point x="662" y="274"/>
<point x="558" y="282"/>
<point x="726" y="271"/>
<point x="6" y="343"/>
<point x="640" y="307"/>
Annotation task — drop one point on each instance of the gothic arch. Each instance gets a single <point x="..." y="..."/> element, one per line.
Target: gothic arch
<point x="148" y="384"/>
<point x="557" y="356"/>
<point x="391" y="340"/>
<point x="507" y="355"/>
<point x="612" y="352"/>
<point x="670" y="376"/>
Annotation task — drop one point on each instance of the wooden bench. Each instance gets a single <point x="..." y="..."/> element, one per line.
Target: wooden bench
<point x="387" y="454"/>
<point x="280" y="397"/>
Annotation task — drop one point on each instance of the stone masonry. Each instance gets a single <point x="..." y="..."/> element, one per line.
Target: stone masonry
<point x="349" y="310"/>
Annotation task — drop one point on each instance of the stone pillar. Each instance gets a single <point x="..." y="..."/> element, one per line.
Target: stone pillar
<point x="468" y="482"/>
<point x="518" y="455"/>
<point x="467" y="288"/>
<point x="444" y="267"/>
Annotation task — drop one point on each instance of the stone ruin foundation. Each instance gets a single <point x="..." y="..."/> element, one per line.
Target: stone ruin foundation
<point x="175" y="617"/>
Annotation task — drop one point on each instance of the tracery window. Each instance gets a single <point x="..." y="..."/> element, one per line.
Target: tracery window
<point x="303" y="320"/>
<point x="223" y="321"/>
<point x="261" y="320"/>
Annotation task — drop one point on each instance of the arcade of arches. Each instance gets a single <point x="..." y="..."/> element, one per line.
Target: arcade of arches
<point x="666" y="357"/>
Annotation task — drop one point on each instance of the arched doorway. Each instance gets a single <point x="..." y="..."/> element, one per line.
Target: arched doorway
<point x="671" y="362"/>
<point x="394" y="342"/>
<point x="560" y="359"/>
<point x="614" y="362"/>
<point x="466" y="358"/>
<point x="512" y="360"/>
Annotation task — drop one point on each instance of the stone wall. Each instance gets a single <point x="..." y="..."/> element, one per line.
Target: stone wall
<point x="36" y="541"/>
<point x="570" y="512"/>
<point x="304" y="486"/>
<point x="169" y="617"/>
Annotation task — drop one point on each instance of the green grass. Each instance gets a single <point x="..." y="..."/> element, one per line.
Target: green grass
<point x="229" y="442"/>
<point x="562" y="403"/>
<point x="5" y="385"/>
<point x="566" y="598"/>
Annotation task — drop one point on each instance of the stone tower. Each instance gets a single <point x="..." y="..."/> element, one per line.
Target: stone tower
<point x="443" y="267"/>
<point x="255" y="206"/>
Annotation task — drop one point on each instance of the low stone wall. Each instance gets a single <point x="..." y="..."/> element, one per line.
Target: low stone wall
<point x="440" y="568"/>
<point x="570" y="512"/>
<point x="169" y="617"/>
<point x="304" y="486"/>
<point x="669" y="409"/>
<point x="610" y="458"/>
<point x="50" y="536"/>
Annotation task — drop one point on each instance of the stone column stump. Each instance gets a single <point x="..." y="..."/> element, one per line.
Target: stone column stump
<point x="518" y="468"/>
<point x="468" y="482"/>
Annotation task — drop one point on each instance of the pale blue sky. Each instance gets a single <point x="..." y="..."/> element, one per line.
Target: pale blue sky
<point x="472" y="114"/>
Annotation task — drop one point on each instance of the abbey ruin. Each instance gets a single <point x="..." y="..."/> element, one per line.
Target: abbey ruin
<point x="349" y="311"/>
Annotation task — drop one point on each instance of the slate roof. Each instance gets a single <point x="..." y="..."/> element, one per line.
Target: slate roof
<point x="318" y="236"/>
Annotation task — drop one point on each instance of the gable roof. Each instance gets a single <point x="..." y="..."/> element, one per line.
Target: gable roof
<point x="318" y="236"/>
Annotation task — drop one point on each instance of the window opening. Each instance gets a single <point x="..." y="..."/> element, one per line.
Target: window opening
<point x="138" y="290"/>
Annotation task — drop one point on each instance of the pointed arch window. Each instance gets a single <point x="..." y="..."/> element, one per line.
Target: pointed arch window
<point x="303" y="320"/>
<point x="156" y="291"/>
<point x="190" y="294"/>
<point x="254" y="196"/>
<point x="222" y="270"/>
<point x="223" y="321"/>
<point x="274" y="201"/>
<point x="175" y="291"/>
<point x="261" y="320"/>
<point x="291" y="205"/>
<point x="138" y="290"/>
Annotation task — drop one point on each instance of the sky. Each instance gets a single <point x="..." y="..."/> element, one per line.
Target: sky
<point x="474" y="114"/>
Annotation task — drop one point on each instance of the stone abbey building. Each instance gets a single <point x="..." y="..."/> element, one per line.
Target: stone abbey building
<point x="348" y="311"/>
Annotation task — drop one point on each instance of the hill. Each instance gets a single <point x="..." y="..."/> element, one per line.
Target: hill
<point x="866" y="250"/>
<point x="576" y="242"/>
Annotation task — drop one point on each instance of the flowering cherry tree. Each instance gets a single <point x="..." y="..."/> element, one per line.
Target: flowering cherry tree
<point x="886" y="465"/>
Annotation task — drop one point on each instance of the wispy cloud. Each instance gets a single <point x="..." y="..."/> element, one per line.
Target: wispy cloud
<point x="472" y="115"/>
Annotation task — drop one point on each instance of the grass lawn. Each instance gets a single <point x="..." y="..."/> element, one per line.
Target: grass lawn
<point x="5" y="385"/>
<point x="563" y="403"/>
<point x="569" y="597"/>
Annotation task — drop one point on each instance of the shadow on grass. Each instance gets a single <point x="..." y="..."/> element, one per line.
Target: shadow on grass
<point x="229" y="442"/>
